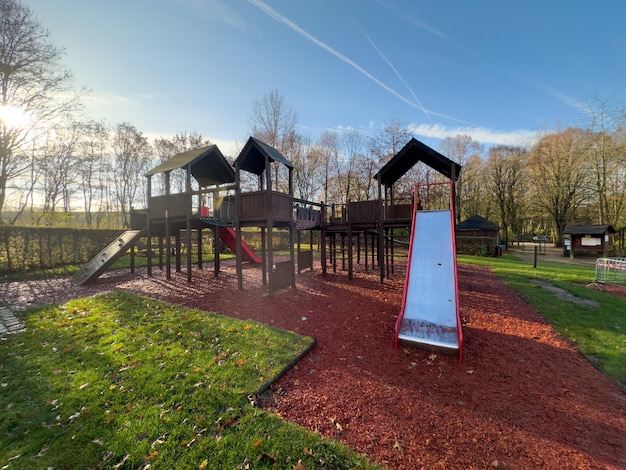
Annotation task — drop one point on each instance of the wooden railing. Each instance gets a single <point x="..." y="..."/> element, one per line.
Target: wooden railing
<point x="176" y="205"/>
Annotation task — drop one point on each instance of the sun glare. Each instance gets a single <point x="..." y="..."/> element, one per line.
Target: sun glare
<point x="13" y="117"/>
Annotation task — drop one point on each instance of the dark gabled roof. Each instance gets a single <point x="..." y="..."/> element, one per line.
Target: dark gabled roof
<point x="415" y="151"/>
<point x="476" y="222"/>
<point x="588" y="229"/>
<point x="252" y="157"/>
<point x="208" y="166"/>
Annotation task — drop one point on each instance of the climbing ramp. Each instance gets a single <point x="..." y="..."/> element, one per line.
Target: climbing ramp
<point x="429" y="316"/>
<point x="103" y="260"/>
<point x="229" y="237"/>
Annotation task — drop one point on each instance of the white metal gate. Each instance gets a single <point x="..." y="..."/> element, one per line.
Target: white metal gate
<point x="611" y="271"/>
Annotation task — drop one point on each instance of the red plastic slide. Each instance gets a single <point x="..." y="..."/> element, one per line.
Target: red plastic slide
<point x="229" y="237"/>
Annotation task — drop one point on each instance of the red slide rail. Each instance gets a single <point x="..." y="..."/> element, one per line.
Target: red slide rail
<point x="459" y="329"/>
<point x="400" y="318"/>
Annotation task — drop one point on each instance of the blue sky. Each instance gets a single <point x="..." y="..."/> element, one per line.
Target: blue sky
<point x="496" y="70"/>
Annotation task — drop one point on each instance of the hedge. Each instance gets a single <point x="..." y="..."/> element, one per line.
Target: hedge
<point x="26" y="248"/>
<point x="480" y="246"/>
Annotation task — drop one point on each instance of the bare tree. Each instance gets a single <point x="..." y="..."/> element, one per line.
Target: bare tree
<point x="93" y="170"/>
<point x="384" y="146"/>
<point x="473" y="193"/>
<point x="560" y="174"/>
<point x="346" y="169"/>
<point x="32" y="84"/>
<point x="460" y="149"/>
<point x="327" y="150"/>
<point x="606" y="156"/>
<point x="308" y="174"/>
<point x="181" y="142"/>
<point x="132" y="161"/>
<point x="273" y="122"/>
<point x="505" y="171"/>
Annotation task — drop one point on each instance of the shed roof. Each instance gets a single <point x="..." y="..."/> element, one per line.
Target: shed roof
<point x="588" y="229"/>
<point x="415" y="151"/>
<point x="476" y="222"/>
<point x="208" y="165"/>
<point x="252" y="157"/>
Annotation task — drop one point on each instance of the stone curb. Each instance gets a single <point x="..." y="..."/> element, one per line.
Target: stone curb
<point x="9" y="323"/>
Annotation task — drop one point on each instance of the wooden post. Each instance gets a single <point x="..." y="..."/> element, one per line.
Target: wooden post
<point x="270" y="223"/>
<point x="292" y="271"/>
<point x="365" y="250"/>
<point x="148" y="233"/>
<point x="178" y="242"/>
<point x="161" y="252"/>
<point x="263" y="256"/>
<point x="535" y="256"/>
<point x="381" y="234"/>
<point x="199" y="241"/>
<point x="322" y="239"/>
<point x="349" y="235"/>
<point x="238" y="252"/>
<point x="168" y="235"/>
<point x="132" y="259"/>
<point x="189" y="200"/>
<point x="216" y="251"/>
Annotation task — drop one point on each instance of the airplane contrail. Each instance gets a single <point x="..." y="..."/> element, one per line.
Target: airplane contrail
<point x="278" y="17"/>
<point x="384" y="57"/>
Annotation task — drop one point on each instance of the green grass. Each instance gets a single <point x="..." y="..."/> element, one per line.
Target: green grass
<point x="598" y="332"/>
<point x="123" y="381"/>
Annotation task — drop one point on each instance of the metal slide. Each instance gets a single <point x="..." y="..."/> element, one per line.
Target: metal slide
<point x="429" y="316"/>
<point x="103" y="260"/>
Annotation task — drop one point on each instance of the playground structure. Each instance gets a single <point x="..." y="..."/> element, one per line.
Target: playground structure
<point x="213" y="200"/>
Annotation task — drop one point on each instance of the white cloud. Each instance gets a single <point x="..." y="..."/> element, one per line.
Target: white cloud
<point x="104" y="97"/>
<point x="518" y="137"/>
<point x="216" y="10"/>
<point x="411" y="19"/>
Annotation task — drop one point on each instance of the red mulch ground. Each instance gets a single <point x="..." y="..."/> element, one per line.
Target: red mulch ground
<point x="522" y="398"/>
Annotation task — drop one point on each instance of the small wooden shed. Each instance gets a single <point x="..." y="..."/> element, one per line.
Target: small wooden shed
<point x="587" y="239"/>
<point x="477" y="236"/>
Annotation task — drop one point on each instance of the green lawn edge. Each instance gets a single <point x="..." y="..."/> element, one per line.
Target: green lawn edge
<point x="125" y="381"/>
<point x="598" y="332"/>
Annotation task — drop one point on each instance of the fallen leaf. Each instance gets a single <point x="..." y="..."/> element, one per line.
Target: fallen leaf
<point x="126" y="457"/>
<point x="397" y="445"/>
<point x="299" y="466"/>
<point x="257" y="443"/>
<point x="204" y="463"/>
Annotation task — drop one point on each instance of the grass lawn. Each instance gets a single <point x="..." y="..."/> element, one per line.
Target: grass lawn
<point x="126" y="382"/>
<point x="599" y="332"/>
